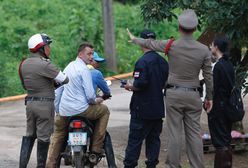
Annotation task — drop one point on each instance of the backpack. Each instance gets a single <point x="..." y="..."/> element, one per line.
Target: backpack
<point x="235" y="108"/>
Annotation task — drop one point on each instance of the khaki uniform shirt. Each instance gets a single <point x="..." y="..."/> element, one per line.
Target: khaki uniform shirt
<point x="186" y="58"/>
<point x="38" y="74"/>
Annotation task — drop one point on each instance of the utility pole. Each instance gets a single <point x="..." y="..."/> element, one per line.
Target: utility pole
<point x="109" y="35"/>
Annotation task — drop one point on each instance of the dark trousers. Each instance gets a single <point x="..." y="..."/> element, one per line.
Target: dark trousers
<point x="220" y="130"/>
<point x="139" y="130"/>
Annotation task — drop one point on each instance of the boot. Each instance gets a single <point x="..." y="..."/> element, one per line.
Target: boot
<point x="223" y="158"/>
<point x="26" y="149"/>
<point x="229" y="156"/>
<point x="109" y="151"/>
<point x="42" y="149"/>
<point x="151" y="165"/>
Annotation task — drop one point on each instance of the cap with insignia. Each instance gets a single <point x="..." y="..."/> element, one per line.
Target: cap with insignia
<point x="188" y="19"/>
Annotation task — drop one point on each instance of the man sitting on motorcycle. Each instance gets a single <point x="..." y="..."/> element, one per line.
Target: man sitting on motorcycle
<point x="78" y="98"/>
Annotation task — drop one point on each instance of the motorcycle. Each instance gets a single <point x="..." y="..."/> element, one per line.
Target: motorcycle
<point x="77" y="147"/>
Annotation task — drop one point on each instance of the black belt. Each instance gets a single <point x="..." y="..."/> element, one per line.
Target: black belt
<point x="181" y="88"/>
<point x="39" y="99"/>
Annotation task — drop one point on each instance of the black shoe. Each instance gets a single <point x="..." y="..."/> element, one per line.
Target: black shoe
<point x="42" y="149"/>
<point x="26" y="149"/>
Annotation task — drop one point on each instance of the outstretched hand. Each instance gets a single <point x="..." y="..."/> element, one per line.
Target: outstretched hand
<point x="131" y="36"/>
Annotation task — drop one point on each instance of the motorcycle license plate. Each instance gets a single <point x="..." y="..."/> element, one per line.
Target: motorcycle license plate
<point x="77" y="138"/>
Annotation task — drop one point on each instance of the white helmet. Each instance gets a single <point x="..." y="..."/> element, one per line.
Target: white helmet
<point x="37" y="41"/>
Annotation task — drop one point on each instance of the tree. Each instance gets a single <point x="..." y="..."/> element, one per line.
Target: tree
<point x="228" y="17"/>
<point x="109" y="35"/>
<point x="128" y="1"/>
<point x="2" y="77"/>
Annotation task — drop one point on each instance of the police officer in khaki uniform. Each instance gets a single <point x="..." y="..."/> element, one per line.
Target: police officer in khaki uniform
<point x="38" y="76"/>
<point x="186" y="58"/>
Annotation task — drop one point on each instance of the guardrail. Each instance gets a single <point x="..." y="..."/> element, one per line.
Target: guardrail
<point x="19" y="97"/>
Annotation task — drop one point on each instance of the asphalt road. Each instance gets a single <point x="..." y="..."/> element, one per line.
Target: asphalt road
<point x="12" y="128"/>
<point x="13" y="123"/>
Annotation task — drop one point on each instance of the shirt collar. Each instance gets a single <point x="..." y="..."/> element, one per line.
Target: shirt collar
<point x="187" y="36"/>
<point x="80" y="61"/>
<point x="219" y="59"/>
<point x="35" y="55"/>
<point x="148" y="52"/>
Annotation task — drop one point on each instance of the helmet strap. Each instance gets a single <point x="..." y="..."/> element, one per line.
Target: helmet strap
<point x="42" y="52"/>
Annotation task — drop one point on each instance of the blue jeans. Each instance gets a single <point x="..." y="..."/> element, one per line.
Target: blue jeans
<point x="139" y="130"/>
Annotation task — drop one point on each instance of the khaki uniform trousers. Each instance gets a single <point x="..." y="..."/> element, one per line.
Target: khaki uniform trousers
<point x="183" y="110"/>
<point x="99" y="112"/>
<point x="40" y="119"/>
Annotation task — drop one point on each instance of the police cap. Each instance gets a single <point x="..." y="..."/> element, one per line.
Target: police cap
<point x="188" y="19"/>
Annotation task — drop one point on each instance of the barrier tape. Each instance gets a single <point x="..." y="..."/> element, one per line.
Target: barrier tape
<point x="19" y="97"/>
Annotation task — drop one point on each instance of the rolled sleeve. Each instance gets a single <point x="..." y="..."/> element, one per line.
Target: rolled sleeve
<point x="88" y="86"/>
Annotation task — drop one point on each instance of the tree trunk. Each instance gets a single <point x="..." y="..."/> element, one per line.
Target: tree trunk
<point x="109" y="35"/>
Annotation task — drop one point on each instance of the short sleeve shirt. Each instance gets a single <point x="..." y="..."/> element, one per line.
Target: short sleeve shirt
<point x="38" y="75"/>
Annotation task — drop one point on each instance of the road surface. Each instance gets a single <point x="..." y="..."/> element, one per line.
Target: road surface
<point x="12" y="128"/>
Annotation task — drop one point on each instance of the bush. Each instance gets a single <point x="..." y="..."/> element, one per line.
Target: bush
<point x="68" y="22"/>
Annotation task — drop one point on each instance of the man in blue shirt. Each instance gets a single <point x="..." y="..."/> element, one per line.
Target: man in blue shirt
<point x="78" y="98"/>
<point x="97" y="77"/>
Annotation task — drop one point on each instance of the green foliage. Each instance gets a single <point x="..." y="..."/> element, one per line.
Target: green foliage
<point x="68" y="23"/>
<point x="219" y="16"/>
<point x="157" y="11"/>
<point x="128" y="1"/>
<point x="3" y="82"/>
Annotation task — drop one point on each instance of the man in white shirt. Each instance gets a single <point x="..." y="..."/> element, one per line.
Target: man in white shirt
<point x="78" y="98"/>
